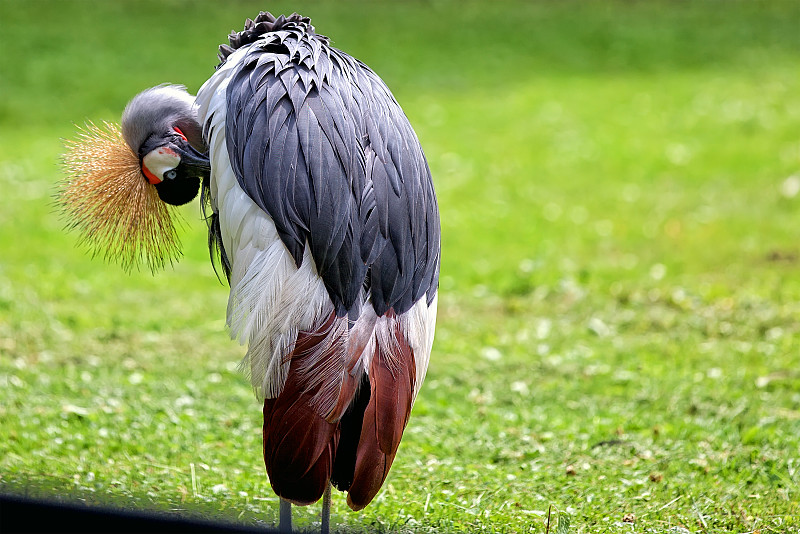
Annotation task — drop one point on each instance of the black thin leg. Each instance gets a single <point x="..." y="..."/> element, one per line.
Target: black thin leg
<point x="326" y="511"/>
<point x="286" y="517"/>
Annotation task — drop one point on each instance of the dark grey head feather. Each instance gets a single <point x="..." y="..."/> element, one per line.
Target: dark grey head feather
<point x="156" y="111"/>
<point x="317" y="140"/>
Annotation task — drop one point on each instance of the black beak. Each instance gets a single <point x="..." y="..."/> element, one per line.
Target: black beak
<point x="189" y="174"/>
<point x="196" y="163"/>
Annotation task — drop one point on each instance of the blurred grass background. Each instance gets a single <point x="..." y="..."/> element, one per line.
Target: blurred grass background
<point x="618" y="324"/>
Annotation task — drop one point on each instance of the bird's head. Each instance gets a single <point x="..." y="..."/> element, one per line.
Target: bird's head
<point x="160" y="126"/>
<point x="123" y="182"/>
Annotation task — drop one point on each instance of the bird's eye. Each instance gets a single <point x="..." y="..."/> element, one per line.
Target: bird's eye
<point x="170" y="174"/>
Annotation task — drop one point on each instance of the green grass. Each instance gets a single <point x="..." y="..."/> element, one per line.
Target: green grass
<point x="619" y="318"/>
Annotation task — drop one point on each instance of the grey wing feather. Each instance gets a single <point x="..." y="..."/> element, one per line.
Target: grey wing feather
<point x="318" y="142"/>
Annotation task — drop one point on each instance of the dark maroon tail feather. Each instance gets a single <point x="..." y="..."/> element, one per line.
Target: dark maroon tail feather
<point x="299" y="444"/>
<point x="391" y="380"/>
<point x="299" y="448"/>
<point x="350" y="433"/>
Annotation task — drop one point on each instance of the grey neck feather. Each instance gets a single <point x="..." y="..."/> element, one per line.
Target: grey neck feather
<point x="157" y="111"/>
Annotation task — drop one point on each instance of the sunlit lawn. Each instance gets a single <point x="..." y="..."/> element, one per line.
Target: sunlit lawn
<point x="619" y="317"/>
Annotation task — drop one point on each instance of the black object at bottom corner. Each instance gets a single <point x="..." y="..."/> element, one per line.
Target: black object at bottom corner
<point x="22" y="515"/>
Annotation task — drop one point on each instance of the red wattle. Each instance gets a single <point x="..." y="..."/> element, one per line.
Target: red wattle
<point x="152" y="178"/>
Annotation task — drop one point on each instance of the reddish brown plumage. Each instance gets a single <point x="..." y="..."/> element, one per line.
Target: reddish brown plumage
<point x="353" y="446"/>
<point x="391" y="378"/>
<point x="299" y="443"/>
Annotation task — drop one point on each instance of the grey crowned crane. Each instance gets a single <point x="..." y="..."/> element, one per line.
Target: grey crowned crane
<point x="323" y="216"/>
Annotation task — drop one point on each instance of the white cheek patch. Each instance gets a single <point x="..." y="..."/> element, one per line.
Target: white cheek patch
<point x="159" y="161"/>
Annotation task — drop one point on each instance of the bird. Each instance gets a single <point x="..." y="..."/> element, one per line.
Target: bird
<point x="322" y="215"/>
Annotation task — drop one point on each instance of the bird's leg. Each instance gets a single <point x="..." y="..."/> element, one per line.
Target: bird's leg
<point x="286" y="517"/>
<point x="326" y="510"/>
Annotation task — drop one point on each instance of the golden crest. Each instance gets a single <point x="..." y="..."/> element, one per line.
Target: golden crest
<point x="107" y="199"/>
